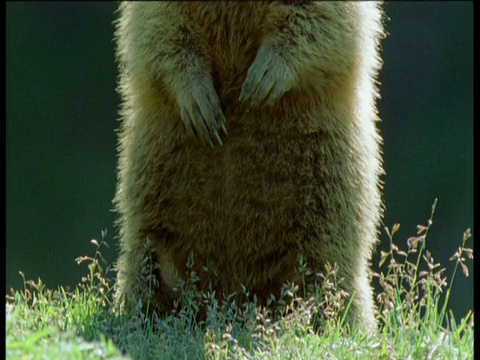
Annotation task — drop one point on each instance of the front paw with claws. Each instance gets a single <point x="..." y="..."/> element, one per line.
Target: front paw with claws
<point x="202" y="113"/>
<point x="268" y="78"/>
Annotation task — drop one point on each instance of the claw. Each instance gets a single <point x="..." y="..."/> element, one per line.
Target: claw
<point x="214" y="130"/>
<point x="188" y="123"/>
<point x="222" y="121"/>
<point x="208" y="139"/>
<point x="219" y="139"/>
<point x="206" y="135"/>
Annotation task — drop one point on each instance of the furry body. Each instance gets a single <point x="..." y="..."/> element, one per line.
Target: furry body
<point x="288" y="88"/>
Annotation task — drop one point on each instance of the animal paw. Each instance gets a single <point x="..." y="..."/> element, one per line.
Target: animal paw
<point x="202" y="113"/>
<point x="268" y="78"/>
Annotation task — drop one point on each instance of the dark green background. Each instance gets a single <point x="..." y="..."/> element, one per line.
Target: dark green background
<point x="62" y="115"/>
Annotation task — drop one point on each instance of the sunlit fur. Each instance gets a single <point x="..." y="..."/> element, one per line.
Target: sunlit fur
<point x="299" y="177"/>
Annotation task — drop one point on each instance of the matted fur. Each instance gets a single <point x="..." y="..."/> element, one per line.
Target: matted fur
<point x="298" y="171"/>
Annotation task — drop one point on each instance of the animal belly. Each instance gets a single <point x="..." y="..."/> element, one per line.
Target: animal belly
<point x="233" y="210"/>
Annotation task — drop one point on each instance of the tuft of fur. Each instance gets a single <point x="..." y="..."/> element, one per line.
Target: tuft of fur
<point x="248" y="140"/>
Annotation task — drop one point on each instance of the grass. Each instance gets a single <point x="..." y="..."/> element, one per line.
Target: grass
<point x="413" y="314"/>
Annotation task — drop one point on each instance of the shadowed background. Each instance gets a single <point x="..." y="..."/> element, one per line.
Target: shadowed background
<point x="62" y="115"/>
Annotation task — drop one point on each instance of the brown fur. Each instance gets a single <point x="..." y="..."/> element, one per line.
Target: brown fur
<point x="293" y="84"/>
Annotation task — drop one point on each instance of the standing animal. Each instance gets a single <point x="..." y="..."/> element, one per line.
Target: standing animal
<point x="248" y="141"/>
